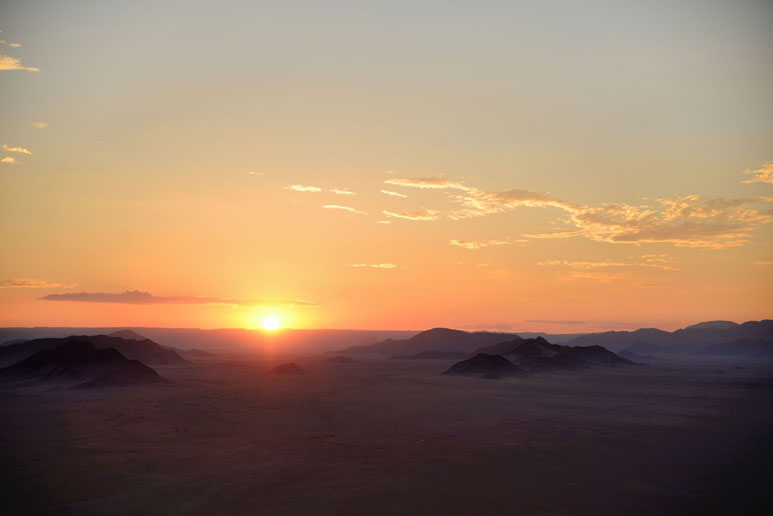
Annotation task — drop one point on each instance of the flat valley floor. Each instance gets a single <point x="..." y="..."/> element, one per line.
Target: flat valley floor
<point x="394" y="437"/>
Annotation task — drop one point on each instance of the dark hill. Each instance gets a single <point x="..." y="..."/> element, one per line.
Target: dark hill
<point x="340" y="359"/>
<point x="79" y="364"/>
<point x="146" y="351"/>
<point x="288" y="368"/>
<point x="713" y="325"/>
<point x="744" y="347"/>
<point x="505" y="347"/>
<point x="485" y="366"/>
<point x="432" y="355"/>
<point x="126" y="334"/>
<point x="436" y="339"/>
<point x="640" y="348"/>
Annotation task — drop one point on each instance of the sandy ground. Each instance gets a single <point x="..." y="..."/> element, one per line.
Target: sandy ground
<point x="393" y="437"/>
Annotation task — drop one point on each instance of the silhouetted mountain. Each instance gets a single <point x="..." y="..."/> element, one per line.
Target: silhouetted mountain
<point x="340" y="359"/>
<point x="641" y="347"/>
<point x="485" y="366"/>
<point x="288" y="368"/>
<point x="635" y="357"/>
<point x="712" y="325"/>
<point x="538" y="354"/>
<point x="432" y="355"/>
<point x="126" y="334"/>
<point x="77" y="363"/>
<point x="146" y="351"/>
<point x="687" y="340"/>
<point x="194" y="353"/>
<point x="745" y="347"/>
<point x="225" y="340"/>
<point x="436" y="339"/>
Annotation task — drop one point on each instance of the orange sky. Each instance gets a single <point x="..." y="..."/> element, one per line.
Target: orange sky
<point x="386" y="166"/>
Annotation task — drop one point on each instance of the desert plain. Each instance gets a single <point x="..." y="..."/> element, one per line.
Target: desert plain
<point x="225" y="435"/>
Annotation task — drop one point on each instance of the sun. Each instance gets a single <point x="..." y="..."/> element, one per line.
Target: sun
<point x="271" y="322"/>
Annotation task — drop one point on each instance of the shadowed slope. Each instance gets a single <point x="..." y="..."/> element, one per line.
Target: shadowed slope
<point x="78" y="364"/>
<point x="485" y="366"/>
<point x="145" y="350"/>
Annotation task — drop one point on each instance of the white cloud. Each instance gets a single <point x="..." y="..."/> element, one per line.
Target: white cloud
<point x="375" y="265"/>
<point x="763" y="174"/>
<point x="413" y="214"/>
<point x="345" y="208"/>
<point x="8" y="159"/>
<point x="12" y="63"/>
<point x="303" y="188"/>
<point x="393" y="194"/>
<point x="20" y="150"/>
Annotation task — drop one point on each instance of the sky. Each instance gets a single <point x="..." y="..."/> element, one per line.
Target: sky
<point x="549" y="166"/>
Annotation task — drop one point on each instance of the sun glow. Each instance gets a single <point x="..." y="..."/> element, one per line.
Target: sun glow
<point x="271" y="322"/>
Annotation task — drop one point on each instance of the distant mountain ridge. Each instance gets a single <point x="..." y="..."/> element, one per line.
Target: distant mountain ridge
<point x="685" y="341"/>
<point x="436" y="339"/>
<point x="78" y="364"/>
<point x="146" y="351"/>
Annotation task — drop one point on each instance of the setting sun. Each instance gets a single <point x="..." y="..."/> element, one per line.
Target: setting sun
<point x="271" y="322"/>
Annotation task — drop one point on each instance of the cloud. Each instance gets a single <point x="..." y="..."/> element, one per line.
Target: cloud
<point x="12" y="63"/>
<point x="136" y="297"/>
<point x="761" y="175"/>
<point x="375" y="265"/>
<point x="303" y="188"/>
<point x="383" y="222"/>
<point x="687" y="221"/>
<point x="655" y="261"/>
<point x="477" y="244"/>
<point x="764" y="262"/>
<point x="413" y="215"/>
<point x="33" y="283"/>
<point x="393" y="194"/>
<point x="256" y="174"/>
<point x="39" y="125"/>
<point x="345" y="208"/>
<point x="341" y="191"/>
<point x="9" y="159"/>
<point x="20" y="150"/>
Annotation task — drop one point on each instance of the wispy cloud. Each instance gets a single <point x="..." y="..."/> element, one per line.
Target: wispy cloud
<point x="33" y="283"/>
<point x="341" y="191"/>
<point x="12" y="63"/>
<point x="477" y="244"/>
<point x="252" y="173"/>
<point x="763" y="174"/>
<point x="413" y="214"/>
<point x="136" y="297"/>
<point x="764" y="262"/>
<point x="374" y="265"/>
<point x="393" y="194"/>
<point x="304" y="188"/>
<point x="687" y="221"/>
<point x="9" y="159"/>
<point x="20" y="150"/>
<point x="383" y="222"/>
<point x="345" y="208"/>
<point x="39" y="125"/>
<point x="655" y="261"/>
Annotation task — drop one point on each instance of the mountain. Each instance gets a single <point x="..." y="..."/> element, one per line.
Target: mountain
<point x="340" y="359"/>
<point x="684" y="341"/>
<point x="78" y="364"/>
<point x="538" y="354"/>
<point x="126" y="334"/>
<point x="485" y="366"/>
<point x="432" y="355"/>
<point x="744" y="347"/>
<point x="288" y="368"/>
<point x="436" y="339"/>
<point x="713" y="325"/>
<point x="641" y="347"/>
<point x="146" y="351"/>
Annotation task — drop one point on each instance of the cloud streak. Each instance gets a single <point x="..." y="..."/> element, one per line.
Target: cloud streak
<point x="9" y="159"/>
<point x="393" y="194"/>
<point x="344" y="208"/>
<point x="374" y="265"/>
<point x="304" y="188"/>
<point x="763" y="174"/>
<point x="686" y="221"/>
<point x="413" y="214"/>
<point x="33" y="283"/>
<point x="11" y="63"/>
<point x="20" y="150"/>
<point x="137" y="297"/>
